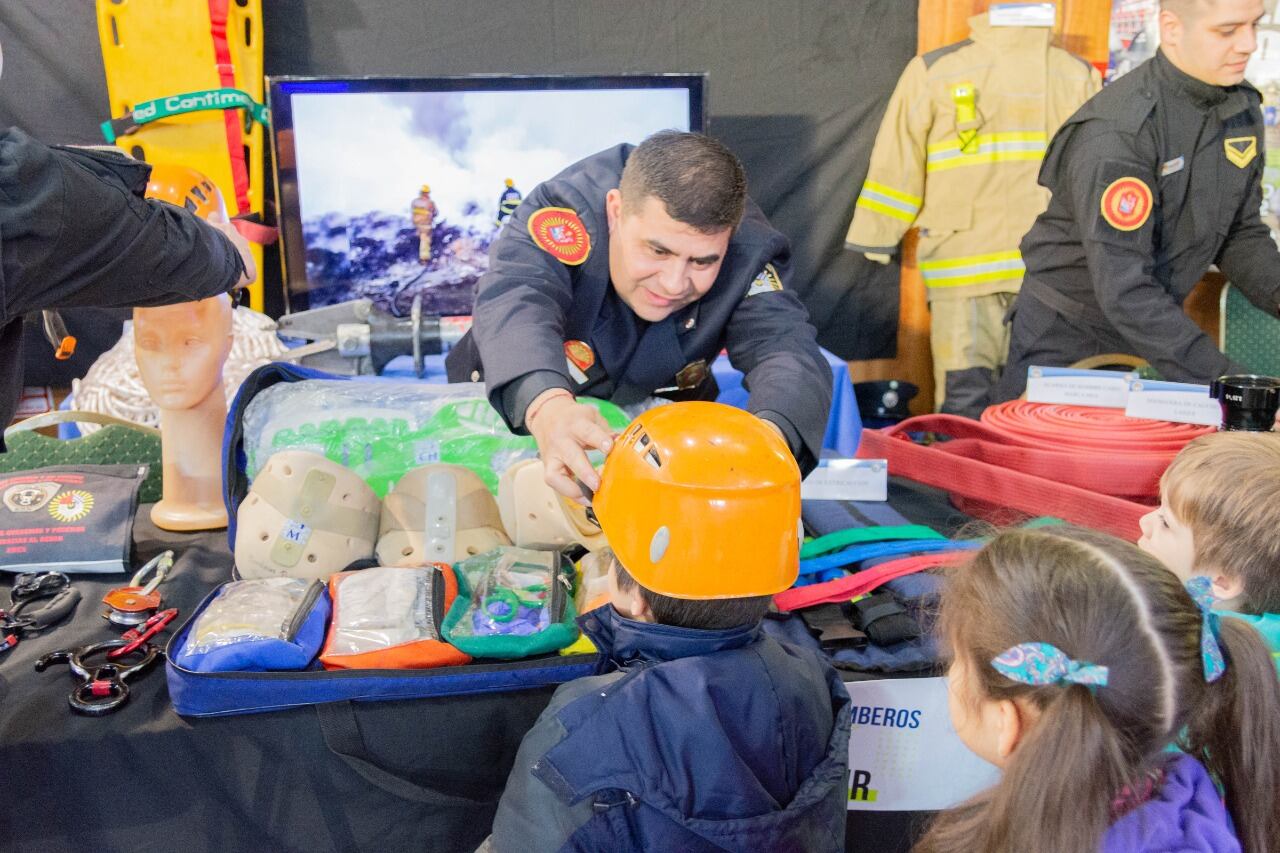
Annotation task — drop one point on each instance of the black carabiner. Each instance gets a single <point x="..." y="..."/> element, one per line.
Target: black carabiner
<point x="102" y="689"/>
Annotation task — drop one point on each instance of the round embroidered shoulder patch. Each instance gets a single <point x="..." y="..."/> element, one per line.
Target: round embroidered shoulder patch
<point x="1126" y="204"/>
<point x="560" y="233"/>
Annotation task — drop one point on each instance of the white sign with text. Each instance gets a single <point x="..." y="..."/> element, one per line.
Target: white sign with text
<point x="847" y="480"/>
<point x="1070" y="386"/>
<point x="904" y="754"/>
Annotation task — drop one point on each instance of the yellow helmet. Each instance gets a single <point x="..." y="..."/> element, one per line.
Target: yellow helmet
<point x="702" y="500"/>
<point x="185" y="187"/>
<point x="426" y="188"/>
<point x="510" y="182"/>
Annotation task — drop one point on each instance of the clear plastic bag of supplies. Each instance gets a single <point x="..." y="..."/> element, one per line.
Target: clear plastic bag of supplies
<point x="262" y="624"/>
<point x="389" y="617"/>
<point x="383" y="428"/>
<point x="512" y="603"/>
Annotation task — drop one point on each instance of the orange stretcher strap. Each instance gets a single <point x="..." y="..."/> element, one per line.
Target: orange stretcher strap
<point x="231" y="118"/>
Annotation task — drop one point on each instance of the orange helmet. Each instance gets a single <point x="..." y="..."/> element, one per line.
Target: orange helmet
<point x="702" y="500"/>
<point x="187" y="188"/>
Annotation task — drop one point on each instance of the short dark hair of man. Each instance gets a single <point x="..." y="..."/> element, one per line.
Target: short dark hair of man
<point x="700" y="181"/>
<point x="714" y="614"/>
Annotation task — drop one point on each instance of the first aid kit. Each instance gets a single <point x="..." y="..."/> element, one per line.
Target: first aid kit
<point x="385" y="636"/>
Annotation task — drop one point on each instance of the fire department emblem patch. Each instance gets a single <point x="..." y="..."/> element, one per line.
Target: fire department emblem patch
<point x="1126" y="204"/>
<point x="29" y="497"/>
<point x="579" y="352"/>
<point x="560" y="233"/>
<point x="71" y="506"/>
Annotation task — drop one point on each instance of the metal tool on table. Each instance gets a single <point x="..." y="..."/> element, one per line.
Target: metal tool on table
<point x="22" y="619"/>
<point x="358" y="338"/>
<point x="140" y="636"/>
<point x="135" y="604"/>
<point x="102" y="689"/>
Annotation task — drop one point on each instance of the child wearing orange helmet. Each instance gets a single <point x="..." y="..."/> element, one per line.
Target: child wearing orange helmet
<point x="703" y="733"/>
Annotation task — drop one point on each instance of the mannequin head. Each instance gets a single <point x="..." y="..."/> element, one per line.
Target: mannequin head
<point x="181" y="348"/>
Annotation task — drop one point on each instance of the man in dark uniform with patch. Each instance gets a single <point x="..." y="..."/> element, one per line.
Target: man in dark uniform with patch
<point x="1154" y="179"/>
<point x="75" y="231"/>
<point x="623" y="277"/>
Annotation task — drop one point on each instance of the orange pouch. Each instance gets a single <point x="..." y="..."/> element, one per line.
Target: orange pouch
<point x="389" y="618"/>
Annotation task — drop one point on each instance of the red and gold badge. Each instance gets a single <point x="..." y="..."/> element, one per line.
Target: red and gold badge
<point x="1126" y="204"/>
<point x="580" y="354"/>
<point x="559" y="232"/>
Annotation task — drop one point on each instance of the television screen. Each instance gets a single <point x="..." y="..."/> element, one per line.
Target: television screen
<point x="393" y="187"/>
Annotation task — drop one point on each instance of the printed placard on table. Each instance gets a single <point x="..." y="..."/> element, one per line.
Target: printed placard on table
<point x="1179" y="402"/>
<point x="1107" y="389"/>
<point x="904" y="754"/>
<point x="847" y="480"/>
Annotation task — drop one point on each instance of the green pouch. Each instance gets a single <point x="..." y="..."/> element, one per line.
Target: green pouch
<point x="512" y="603"/>
<point x="119" y="442"/>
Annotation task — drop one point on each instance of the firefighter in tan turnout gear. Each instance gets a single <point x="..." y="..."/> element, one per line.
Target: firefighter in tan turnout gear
<point x="957" y="157"/>
<point x="424" y="213"/>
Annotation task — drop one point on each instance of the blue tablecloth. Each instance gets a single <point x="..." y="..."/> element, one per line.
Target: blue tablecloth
<point x="844" y="425"/>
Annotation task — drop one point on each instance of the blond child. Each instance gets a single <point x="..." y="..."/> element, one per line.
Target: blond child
<point x="1218" y="518"/>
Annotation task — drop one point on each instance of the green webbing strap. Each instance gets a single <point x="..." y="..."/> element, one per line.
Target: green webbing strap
<point x="191" y="102"/>
<point x="1042" y="521"/>
<point x="859" y="535"/>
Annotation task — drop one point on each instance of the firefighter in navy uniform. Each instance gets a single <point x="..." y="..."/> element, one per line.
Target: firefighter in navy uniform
<point x="627" y="284"/>
<point x="76" y="231"/>
<point x="1154" y="179"/>
<point x="508" y="201"/>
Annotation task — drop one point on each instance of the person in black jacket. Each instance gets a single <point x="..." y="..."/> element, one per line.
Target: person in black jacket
<point x="76" y="231"/>
<point x="1155" y="178"/>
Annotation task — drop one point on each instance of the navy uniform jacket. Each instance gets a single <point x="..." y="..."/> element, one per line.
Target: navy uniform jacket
<point x="1198" y="150"/>
<point x="529" y="304"/>
<point x="76" y="231"/>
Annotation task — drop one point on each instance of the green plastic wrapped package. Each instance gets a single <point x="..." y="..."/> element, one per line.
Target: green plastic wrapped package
<point x="512" y="603"/>
<point x="383" y="429"/>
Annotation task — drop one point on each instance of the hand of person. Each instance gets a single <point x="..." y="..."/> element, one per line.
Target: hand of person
<point x="220" y="221"/>
<point x="771" y="425"/>
<point x="565" y="430"/>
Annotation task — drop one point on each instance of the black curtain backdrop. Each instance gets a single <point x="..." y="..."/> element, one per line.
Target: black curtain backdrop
<point x="796" y="87"/>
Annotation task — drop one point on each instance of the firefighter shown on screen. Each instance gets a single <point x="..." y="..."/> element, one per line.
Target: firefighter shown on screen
<point x="424" y="219"/>
<point x="957" y="157"/>
<point x="508" y="201"/>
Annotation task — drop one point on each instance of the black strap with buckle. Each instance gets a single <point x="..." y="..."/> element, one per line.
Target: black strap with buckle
<point x="884" y="620"/>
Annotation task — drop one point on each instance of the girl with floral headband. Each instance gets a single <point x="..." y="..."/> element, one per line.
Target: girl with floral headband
<point x="1077" y="660"/>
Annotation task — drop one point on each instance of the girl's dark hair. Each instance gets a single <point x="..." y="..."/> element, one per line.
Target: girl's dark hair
<point x="1102" y="600"/>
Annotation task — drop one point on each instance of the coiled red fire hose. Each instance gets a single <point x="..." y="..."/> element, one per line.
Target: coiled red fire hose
<point x="1088" y="466"/>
